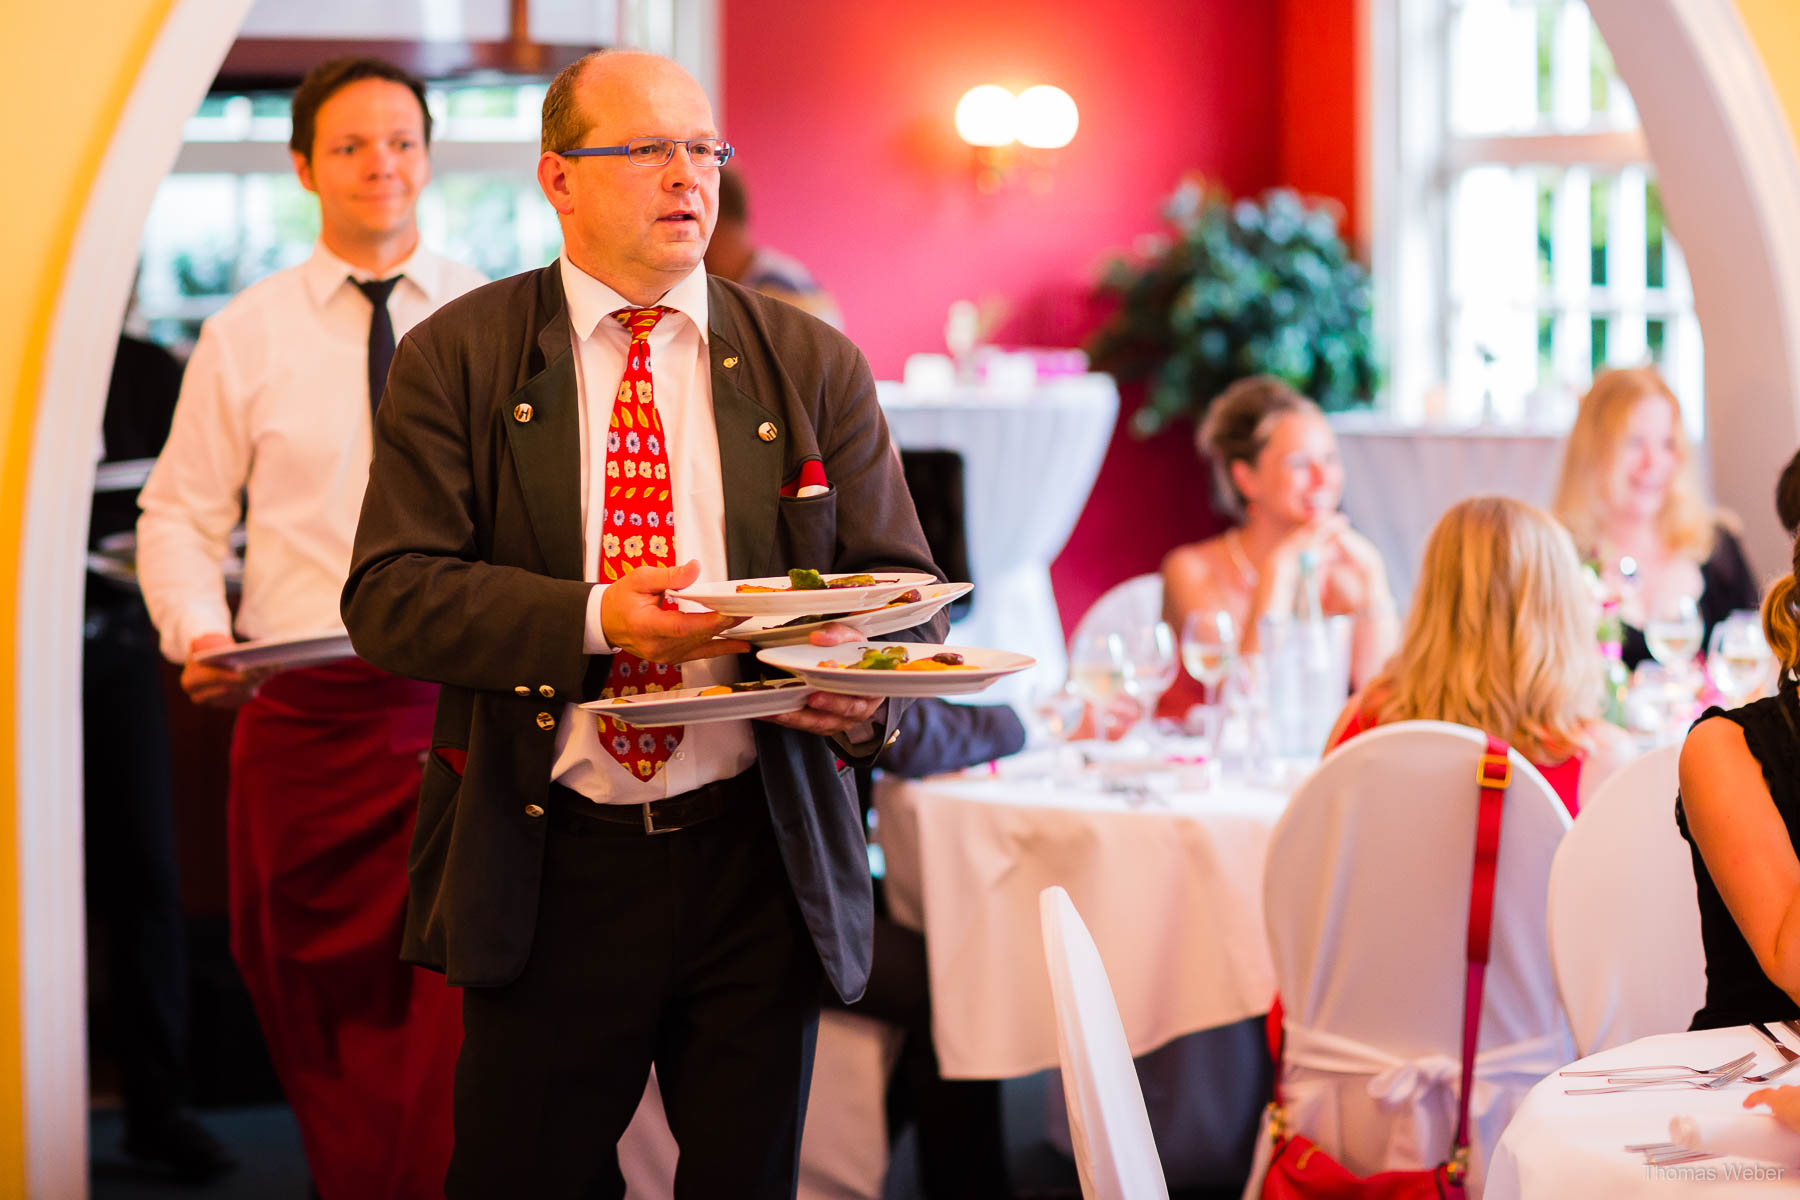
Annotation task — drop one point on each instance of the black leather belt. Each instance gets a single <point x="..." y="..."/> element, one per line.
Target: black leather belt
<point x="573" y="813"/>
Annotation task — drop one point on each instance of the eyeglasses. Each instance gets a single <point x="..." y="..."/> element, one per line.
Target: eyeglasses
<point x="654" y="152"/>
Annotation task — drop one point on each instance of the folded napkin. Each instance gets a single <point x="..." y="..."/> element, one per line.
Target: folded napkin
<point x="1739" y="1135"/>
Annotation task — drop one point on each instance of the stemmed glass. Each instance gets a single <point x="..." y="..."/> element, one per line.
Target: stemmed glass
<point x="1209" y="645"/>
<point x="1673" y="632"/>
<point x="1738" y="659"/>
<point x="1151" y="662"/>
<point x="1099" y="673"/>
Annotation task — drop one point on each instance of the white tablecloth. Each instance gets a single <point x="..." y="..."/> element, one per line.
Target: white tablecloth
<point x="1029" y="462"/>
<point x="1559" y="1146"/>
<point x="1399" y="481"/>
<point x="1171" y="890"/>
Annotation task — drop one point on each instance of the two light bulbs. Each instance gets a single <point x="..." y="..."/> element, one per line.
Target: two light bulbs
<point x="1042" y="117"/>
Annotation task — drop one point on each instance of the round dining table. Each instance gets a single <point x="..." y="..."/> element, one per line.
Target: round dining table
<point x="1558" y="1145"/>
<point x="1164" y="864"/>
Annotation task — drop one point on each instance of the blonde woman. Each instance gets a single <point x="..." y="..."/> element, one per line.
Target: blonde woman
<point x="1740" y="810"/>
<point x="1630" y="495"/>
<point x="1276" y="469"/>
<point x="1501" y="638"/>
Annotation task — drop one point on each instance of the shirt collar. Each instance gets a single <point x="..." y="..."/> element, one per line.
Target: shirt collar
<point x="325" y="273"/>
<point x="590" y="301"/>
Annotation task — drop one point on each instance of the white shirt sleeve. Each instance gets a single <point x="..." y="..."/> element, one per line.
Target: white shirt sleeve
<point x="192" y="500"/>
<point x="594" y="640"/>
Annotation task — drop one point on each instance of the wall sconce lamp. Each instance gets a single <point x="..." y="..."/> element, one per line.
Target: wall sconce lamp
<point x="995" y="122"/>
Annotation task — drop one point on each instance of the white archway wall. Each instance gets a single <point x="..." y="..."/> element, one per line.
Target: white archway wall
<point x="1730" y="176"/>
<point x="83" y="336"/>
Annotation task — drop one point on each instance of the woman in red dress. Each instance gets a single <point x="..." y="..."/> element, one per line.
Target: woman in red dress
<point x="1501" y="638"/>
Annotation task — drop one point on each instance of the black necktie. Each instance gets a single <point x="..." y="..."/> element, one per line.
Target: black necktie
<point x="381" y="333"/>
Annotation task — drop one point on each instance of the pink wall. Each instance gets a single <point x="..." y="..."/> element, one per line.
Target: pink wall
<point x="843" y="115"/>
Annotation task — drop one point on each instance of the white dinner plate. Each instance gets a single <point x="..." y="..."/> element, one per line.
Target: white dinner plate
<point x="722" y="596"/>
<point x="985" y="666"/>
<point x="686" y="706"/>
<point x="280" y="653"/>
<point x="890" y="618"/>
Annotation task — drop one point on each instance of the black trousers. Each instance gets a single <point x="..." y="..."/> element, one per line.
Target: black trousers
<point x="133" y="888"/>
<point x="684" y="949"/>
<point x="962" y="1142"/>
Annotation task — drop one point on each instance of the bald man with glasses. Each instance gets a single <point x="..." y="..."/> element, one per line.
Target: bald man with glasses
<point x="611" y="897"/>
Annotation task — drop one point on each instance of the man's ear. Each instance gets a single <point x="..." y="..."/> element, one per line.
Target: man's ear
<point x="303" y="169"/>
<point x="553" y="180"/>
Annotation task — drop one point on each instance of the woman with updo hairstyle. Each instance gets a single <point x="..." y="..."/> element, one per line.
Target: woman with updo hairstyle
<point x="1276" y="472"/>
<point x="1629" y="492"/>
<point x="1501" y="638"/>
<point x="1739" y="809"/>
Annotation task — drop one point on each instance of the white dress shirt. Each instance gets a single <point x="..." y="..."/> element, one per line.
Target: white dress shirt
<point x="273" y="423"/>
<point x="682" y="386"/>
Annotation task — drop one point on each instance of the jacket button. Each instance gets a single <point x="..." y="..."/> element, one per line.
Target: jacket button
<point x="766" y="431"/>
<point x="522" y="413"/>
<point x="534" y="810"/>
<point x="521" y="690"/>
<point x="547" y="692"/>
<point x="546" y="721"/>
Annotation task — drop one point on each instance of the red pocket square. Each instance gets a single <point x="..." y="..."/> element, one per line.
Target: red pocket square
<point x="812" y="474"/>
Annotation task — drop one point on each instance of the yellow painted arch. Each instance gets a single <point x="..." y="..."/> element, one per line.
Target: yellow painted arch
<point x="67" y="71"/>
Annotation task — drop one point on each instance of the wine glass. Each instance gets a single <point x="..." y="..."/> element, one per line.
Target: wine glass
<point x="1058" y="709"/>
<point x="1209" y="644"/>
<point x="1152" y="661"/>
<point x="1100" y="674"/>
<point x="1673" y="631"/>
<point x="1738" y="659"/>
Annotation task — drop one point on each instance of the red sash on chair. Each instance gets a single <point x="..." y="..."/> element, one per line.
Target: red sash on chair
<point x="1298" y="1169"/>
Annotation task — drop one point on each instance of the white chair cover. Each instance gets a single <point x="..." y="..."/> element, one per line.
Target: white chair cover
<point x="1624" y="924"/>
<point x="1124" y="608"/>
<point x="1115" y="1152"/>
<point x="1366" y="896"/>
<point x="844" y="1147"/>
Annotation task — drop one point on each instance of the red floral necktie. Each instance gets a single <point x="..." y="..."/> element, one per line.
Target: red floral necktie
<point x="637" y="530"/>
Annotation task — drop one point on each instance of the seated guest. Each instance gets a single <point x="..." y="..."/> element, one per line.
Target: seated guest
<point x="961" y="1140"/>
<point x="733" y="254"/>
<point x="1630" y="495"/>
<point x="1787" y="496"/>
<point x="1501" y="638"/>
<point x="1276" y="470"/>
<point x="1739" y="808"/>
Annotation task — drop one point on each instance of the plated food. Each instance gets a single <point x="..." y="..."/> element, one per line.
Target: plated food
<point x="912" y="607"/>
<point x="895" y="658"/>
<point x="896" y="668"/>
<point x="778" y="595"/>
<point x="698" y="706"/>
<point x="803" y="580"/>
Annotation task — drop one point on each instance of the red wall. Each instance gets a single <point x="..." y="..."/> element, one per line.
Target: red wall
<point x="842" y="112"/>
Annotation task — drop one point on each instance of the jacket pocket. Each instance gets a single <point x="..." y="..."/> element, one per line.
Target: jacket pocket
<point x="806" y="530"/>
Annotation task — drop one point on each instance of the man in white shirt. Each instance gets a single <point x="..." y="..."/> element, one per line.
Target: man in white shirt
<point x="273" y="424"/>
<point x="613" y="897"/>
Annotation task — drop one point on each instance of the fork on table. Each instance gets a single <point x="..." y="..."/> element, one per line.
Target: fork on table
<point x="1705" y="1083"/>
<point x="1675" y="1067"/>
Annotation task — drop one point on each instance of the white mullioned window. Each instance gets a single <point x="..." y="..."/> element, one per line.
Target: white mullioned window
<point x="1520" y="240"/>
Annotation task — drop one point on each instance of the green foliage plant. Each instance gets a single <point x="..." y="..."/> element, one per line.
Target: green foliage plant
<point x="1244" y="287"/>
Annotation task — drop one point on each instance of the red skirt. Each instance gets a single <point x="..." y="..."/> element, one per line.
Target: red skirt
<point x="325" y="767"/>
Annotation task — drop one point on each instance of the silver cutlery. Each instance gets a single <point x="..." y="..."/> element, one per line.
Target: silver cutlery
<point x="1668" y="1154"/>
<point x="1788" y="1057"/>
<point x="1722" y="1067"/>
<point x="1704" y="1083"/>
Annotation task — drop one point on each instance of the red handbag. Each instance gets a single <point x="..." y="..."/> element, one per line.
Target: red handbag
<point x="1298" y="1169"/>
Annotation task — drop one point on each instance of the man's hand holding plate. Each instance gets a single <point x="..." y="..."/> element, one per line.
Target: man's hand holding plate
<point x="828" y="712"/>
<point x="633" y="618"/>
